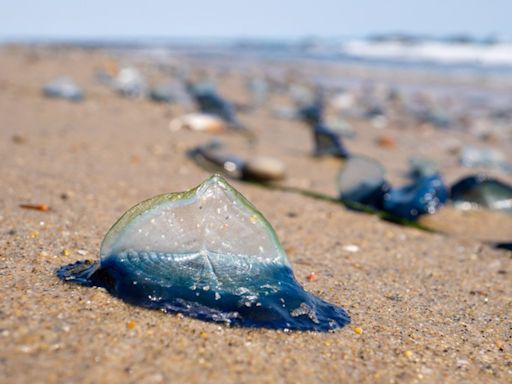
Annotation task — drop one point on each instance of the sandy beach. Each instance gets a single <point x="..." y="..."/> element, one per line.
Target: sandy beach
<point x="425" y="307"/>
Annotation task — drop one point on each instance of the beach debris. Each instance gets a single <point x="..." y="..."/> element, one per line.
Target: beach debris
<point x="129" y="82"/>
<point x="358" y="330"/>
<point x="385" y="141"/>
<point x="480" y="191"/>
<point x="258" y="168"/>
<point x="131" y="324"/>
<point x="18" y="139"/>
<point x="312" y="277"/>
<point x="209" y="254"/>
<point x="264" y="168"/>
<point x="362" y="185"/>
<point x="36" y="207"/>
<point x="64" y="88"/>
<point x="352" y="248"/>
<point x="198" y="122"/>
<point x="472" y="157"/>
<point x="210" y="102"/>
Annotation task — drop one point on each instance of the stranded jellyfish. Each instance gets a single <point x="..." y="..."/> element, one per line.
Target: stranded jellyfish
<point x="209" y="254"/>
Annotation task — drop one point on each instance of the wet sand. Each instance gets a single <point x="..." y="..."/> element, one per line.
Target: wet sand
<point x="425" y="307"/>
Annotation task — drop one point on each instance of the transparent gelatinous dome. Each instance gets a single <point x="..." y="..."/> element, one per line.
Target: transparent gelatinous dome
<point x="211" y="230"/>
<point x="359" y="177"/>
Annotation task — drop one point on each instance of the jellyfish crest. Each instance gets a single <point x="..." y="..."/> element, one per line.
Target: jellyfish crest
<point x="208" y="221"/>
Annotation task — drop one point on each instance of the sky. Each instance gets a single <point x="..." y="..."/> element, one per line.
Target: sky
<point x="96" y="19"/>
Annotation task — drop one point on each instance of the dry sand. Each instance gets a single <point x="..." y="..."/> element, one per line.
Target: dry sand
<point x="426" y="307"/>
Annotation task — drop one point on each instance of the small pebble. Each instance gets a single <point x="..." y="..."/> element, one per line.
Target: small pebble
<point x="203" y="334"/>
<point x="312" y="277"/>
<point x="500" y="344"/>
<point x="408" y="354"/>
<point x="358" y="330"/>
<point x="17" y="139"/>
<point x="351" y="248"/>
<point x="264" y="168"/>
<point x="131" y="324"/>
<point x="385" y="142"/>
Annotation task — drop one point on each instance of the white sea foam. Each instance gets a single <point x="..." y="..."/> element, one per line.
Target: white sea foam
<point x="499" y="54"/>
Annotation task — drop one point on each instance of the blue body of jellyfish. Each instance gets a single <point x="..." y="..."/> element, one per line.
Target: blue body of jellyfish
<point x="423" y="196"/>
<point x="209" y="101"/>
<point x="327" y="142"/>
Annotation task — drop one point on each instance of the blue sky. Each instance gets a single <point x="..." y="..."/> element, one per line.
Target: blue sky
<point x="259" y="18"/>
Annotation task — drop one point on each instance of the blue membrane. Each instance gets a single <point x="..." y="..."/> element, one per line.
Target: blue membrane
<point x="423" y="196"/>
<point x="362" y="182"/>
<point x="272" y="299"/>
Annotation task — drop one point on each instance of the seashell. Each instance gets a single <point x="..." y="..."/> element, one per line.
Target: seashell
<point x="477" y="191"/>
<point x="64" y="88"/>
<point x="198" y="122"/>
<point x="259" y="168"/>
<point x="264" y="168"/>
<point x="209" y="254"/>
<point x="362" y="184"/>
